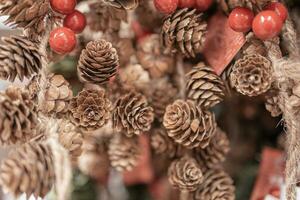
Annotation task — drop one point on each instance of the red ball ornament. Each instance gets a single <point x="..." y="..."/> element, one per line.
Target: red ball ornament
<point x="166" y="6"/>
<point x="75" y="21"/>
<point x="240" y="19"/>
<point x="186" y="3"/>
<point x="203" y="5"/>
<point x="279" y="8"/>
<point x="63" y="6"/>
<point x="266" y="25"/>
<point x="62" y="40"/>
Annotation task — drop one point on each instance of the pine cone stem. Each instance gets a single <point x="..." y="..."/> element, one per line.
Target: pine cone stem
<point x="184" y="195"/>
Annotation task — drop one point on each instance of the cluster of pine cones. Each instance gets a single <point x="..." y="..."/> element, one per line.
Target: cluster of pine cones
<point x="131" y="89"/>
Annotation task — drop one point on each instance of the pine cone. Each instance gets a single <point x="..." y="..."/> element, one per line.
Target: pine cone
<point x="185" y="174"/>
<point x="125" y="49"/>
<point x="19" y="57"/>
<point x="27" y="14"/>
<point x="98" y="62"/>
<point x="252" y="75"/>
<point x="18" y="116"/>
<point x="132" y="114"/>
<point x="28" y="170"/>
<point x="188" y="125"/>
<point x="272" y="102"/>
<point x="204" y="86"/>
<point x="217" y="185"/>
<point x="57" y="96"/>
<point x="215" y="152"/>
<point x="254" y="46"/>
<point x="184" y="31"/>
<point x="90" y="109"/>
<point x="124" y="153"/>
<point x="123" y="4"/>
<point x="70" y="138"/>
<point x="228" y="5"/>
<point x="105" y="18"/>
<point x="152" y="58"/>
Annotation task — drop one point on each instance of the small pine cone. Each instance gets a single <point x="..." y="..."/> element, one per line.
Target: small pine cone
<point x="70" y="138"/>
<point x="123" y="4"/>
<point x="152" y="58"/>
<point x="124" y="153"/>
<point x="164" y="93"/>
<point x="18" y="118"/>
<point x="98" y="62"/>
<point x="90" y="109"/>
<point x="188" y="125"/>
<point x="252" y="75"/>
<point x="184" y="31"/>
<point x="204" y="86"/>
<point x="125" y="49"/>
<point x="105" y="18"/>
<point x="29" y="169"/>
<point x="215" y="152"/>
<point x="217" y="185"/>
<point x="185" y="174"/>
<point x="228" y="5"/>
<point x="27" y="14"/>
<point x="132" y="114"/>
<point x="272" y="102"/>
<point x="57" y="96"/>
<point x="19" y="57"/>
<point x="254" y="46"/>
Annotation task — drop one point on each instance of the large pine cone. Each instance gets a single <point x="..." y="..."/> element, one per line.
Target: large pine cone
<point x="90" y="109"/>
<point x="19" y="57"/>
<point x="184" y="31"/>
<point x="252" y="75"/>
<point x="185" y="174"/>
<point x="188" y="125"/>
<point x="132" y="114"/>
<point x="152" y="58"/>
<point x="26" y="13"/>
<point x="204" y="86"/>
<point x="124" y="153"/>
<point x="98" y="62"/>
<point x="29" y="169"/>
<point x="217" y="185"/>
<point x="57" y="96"/>
<point x="124" y="4"/>
<point x="18" y="116"/>
<point x="215" y="153"/>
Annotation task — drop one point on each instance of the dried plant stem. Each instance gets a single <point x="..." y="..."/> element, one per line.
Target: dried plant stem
<point x="184" y="195"/>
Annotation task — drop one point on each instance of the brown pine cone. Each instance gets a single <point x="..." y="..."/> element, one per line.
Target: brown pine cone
<point x="254" y="46"/>
<point x="102" y="17"/>
<point x="70" y="138"/>
<point x="29" y="169"/>
<point x="124" y="153"/>
<point x="272" y="102"/>
<point x="98" y="62"/>
<point x="57" y="96"/>
<point x="184" y="31"/>
<point x="152" y="58"/>
<point x="204" y="86"/>
<point x="19" y="57"/>
<point x="252" y="75"/>
<point x="123" y="4"/>
<point x="215" y="153"/>
<point x="132" y="115"/>
<point x="90" y="109"/>
<point x="188" y="125"/>
<point x="27" y="14"/>
<point x="217" y="185"/>
<point x="185" y="174"/>
<point x="228" y="5"/>
<point x="18" y="116"/>
<point x="125" y="49"/>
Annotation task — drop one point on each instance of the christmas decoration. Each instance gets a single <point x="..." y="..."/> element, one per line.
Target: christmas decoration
<point x="166" y="6"/>
<point x="63" y="6"/>
<point x="240" y="19"/>
<point x="186" y="3"/>
<point x="279" y="8"/>
<point x="203" y="5"/>
<point x="62" y="40"/>
<point x="127" y="4"/>
<point x="75" y="21"/>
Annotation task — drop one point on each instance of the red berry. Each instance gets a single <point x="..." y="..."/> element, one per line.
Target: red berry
<point x="166" y="6"/>
<point x="62" y="40"/>
<point x="240" y="19"/>
<point x="75" y="21"/>
<point x="279" y="8"/>
<point x="186" y="3"/>
<point x="203" y="5"/>
<point x="275" y="191"/>
<point x="266" y="25"/>
<point x="63" y="6"/>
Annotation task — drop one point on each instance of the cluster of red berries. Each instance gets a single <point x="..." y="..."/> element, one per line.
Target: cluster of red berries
<point x="266" y="24"/>
<point x="62" y="40"/>
<point x="169" y="6"/>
